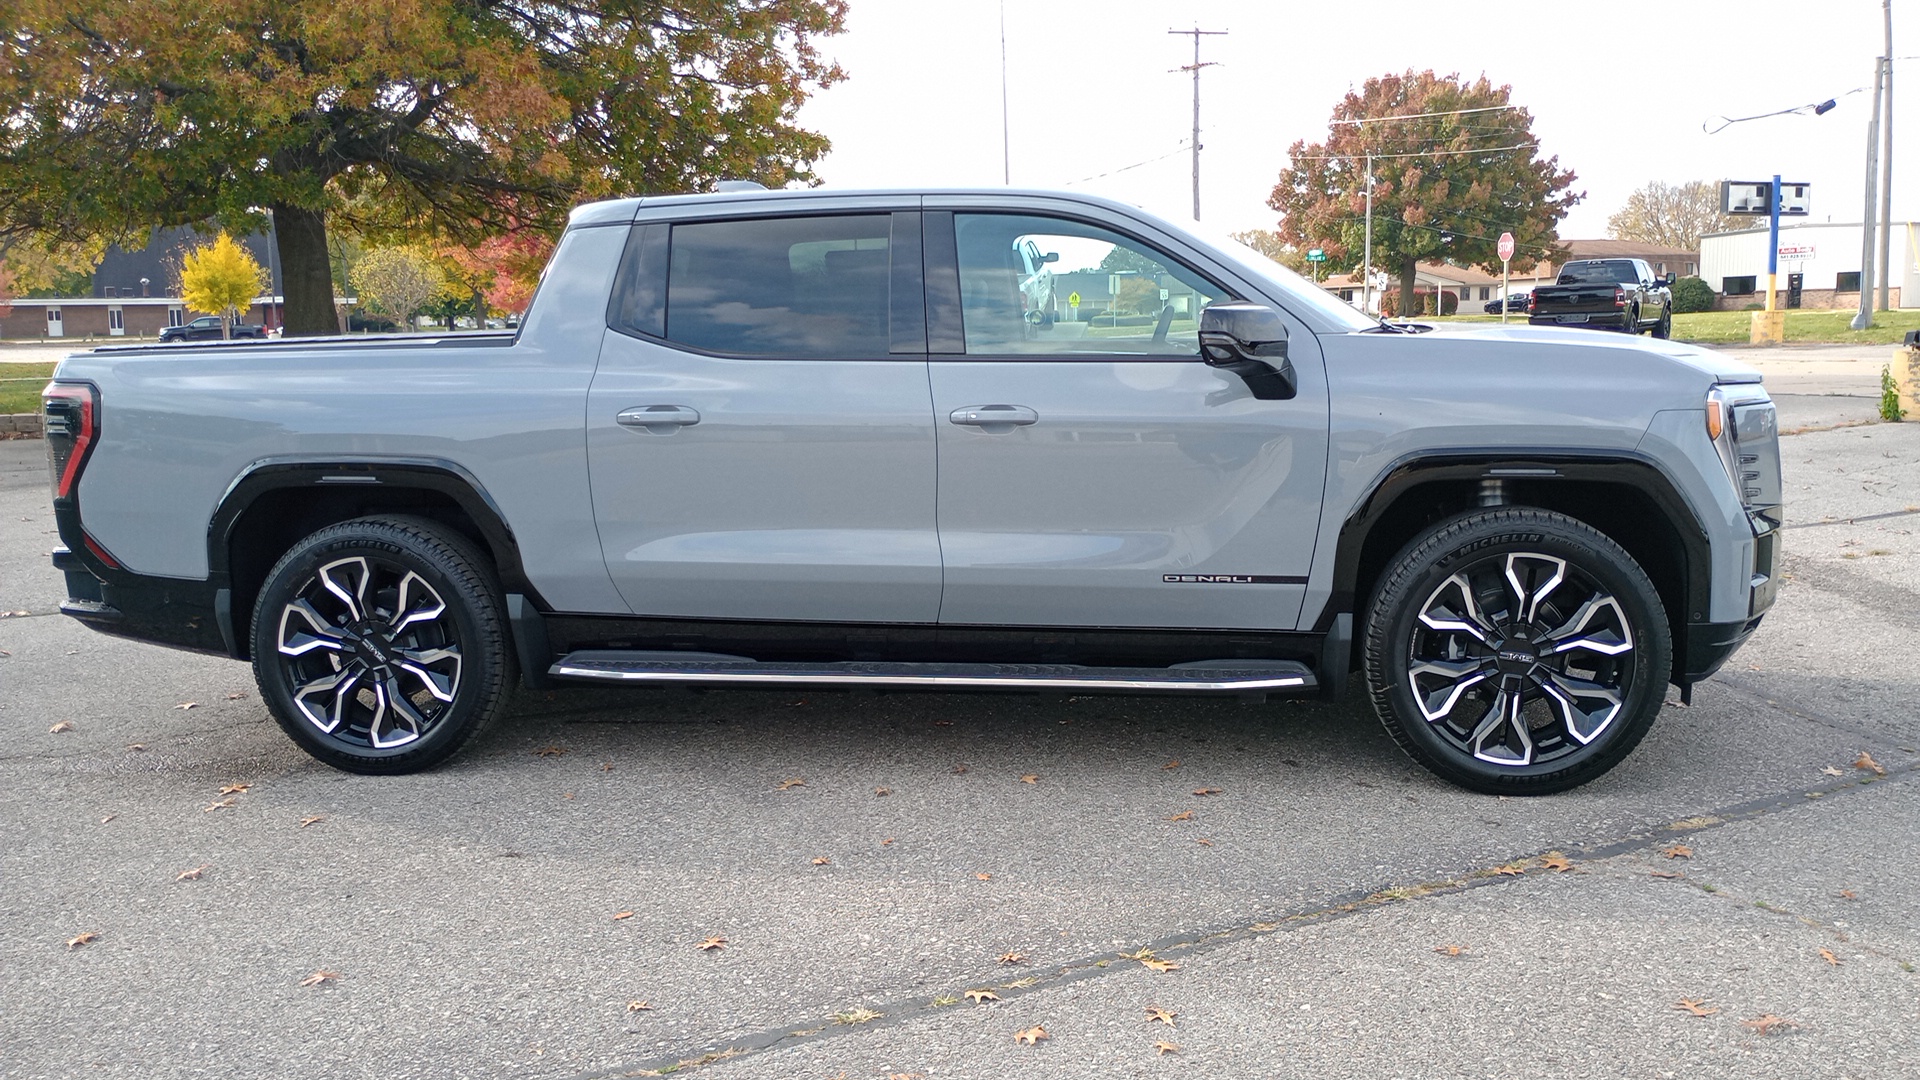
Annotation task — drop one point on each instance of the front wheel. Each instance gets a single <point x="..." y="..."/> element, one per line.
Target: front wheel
<point x="379" y="644"/>
<point x="1517" y="652"/>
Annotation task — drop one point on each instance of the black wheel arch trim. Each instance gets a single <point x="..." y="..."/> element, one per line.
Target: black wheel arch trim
<point x="1639" y="471"/>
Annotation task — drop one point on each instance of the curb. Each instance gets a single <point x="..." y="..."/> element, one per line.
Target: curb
<point x="21" y="424"/>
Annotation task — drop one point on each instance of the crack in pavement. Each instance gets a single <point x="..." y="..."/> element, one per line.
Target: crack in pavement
<point x="1194" y="943"/>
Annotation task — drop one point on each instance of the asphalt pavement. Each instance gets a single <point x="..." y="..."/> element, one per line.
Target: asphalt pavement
<point x="1327" y="910"/>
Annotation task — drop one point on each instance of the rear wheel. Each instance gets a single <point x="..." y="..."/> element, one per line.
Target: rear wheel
<point x="1664" y="328"/>
<point x="379" y="645"/>
<point x="1517" y="652"/>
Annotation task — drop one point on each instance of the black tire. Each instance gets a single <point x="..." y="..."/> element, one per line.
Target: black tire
<point x="379" y="644"/>
<point x="1632" y="324"/>
<point x="1664" y="328"/>
<point x="1516" y="651"/>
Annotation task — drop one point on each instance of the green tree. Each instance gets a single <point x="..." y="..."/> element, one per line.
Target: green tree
<point x="1674" y="215"/>
<point x="445" y="116"/>
<point x="1444" y="186"/>
<point x="396" y="282"/>
<point x="221" y="278"/>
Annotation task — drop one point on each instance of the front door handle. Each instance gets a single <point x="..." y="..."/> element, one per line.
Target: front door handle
<point x="990" y="417"/>
<point x="658" y="419"/>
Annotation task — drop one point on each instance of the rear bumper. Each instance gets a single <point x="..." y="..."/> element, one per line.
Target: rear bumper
<point x="1606" y="320"/>
<point x="161" y="611"/>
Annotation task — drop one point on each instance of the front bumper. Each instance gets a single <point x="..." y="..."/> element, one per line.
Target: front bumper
<point x="1709" y="644"/>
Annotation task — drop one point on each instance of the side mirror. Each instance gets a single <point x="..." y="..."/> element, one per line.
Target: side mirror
<point x="1669" y="279"/>
<point x="1050" y="257"/>
<point x="1249" y="340"/>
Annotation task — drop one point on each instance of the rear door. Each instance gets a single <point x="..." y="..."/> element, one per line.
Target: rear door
<point x="759" y="431"/>
<point x="1093" y="470"/>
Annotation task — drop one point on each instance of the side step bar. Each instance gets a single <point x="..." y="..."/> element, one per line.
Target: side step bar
<point x="707" y="669"/>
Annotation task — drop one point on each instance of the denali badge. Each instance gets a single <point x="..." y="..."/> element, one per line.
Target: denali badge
<point x="1231" y="579"/>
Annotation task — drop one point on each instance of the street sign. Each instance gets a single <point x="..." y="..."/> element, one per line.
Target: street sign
<point x="1755" y="197"/>
<point x="1506" y="246"/>
<point x="1073" y="299"/>
<point x="1316" y="255"/>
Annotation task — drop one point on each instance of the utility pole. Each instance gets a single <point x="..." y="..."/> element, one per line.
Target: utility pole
<point x="1864" y="318"/>
<point x="1006" y="144"/>
<point x="1886" y="159"/>
<point x="1195" y="67"/>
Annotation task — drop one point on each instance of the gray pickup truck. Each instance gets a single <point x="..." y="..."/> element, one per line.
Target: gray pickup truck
<point x="1606" y="294"/>
<point x="815" y="438"/>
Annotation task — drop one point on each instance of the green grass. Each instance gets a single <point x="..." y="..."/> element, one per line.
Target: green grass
<point x="1736" y="327"/>
<point x="20" y="386"/>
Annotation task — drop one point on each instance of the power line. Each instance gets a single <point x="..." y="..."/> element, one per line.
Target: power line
<point x="1128" y="168"/>
<point x="1422" y="116"/>
<point x="1417" y="153"/>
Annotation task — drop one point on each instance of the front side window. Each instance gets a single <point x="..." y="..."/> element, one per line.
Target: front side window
<point x="803" y="287"/>
<point x="1053" y="287"/>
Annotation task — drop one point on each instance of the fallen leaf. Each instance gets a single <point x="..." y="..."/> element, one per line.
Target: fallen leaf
<point x="887" y="841"/>
<point x="1031" y="1035"/>
<point x="1696" y="1006"/>
<point x="1768" y="1024"/>
<point x="235" y="789"/>
<point x="185" y="705"/>
<point x="64" y="725"/>
<point x="1184" y="815"/>
<point x="618" y="915"/>
<point x="1450" y="950"/>
<point x="1847" y="894"/>
<point x="223" y="804"/>
<point x="1174" y="764"/>
<point x="1827" y="955"/>
<point x="959" y="770"/>
<point x="193" y="874"/>
<point x="1206" y="791"/>
<point x="236" y="695"/>
<point x="136" y="747"/>
<point x="978" y="996"/>
<point x="984" y="876"/>
<point x="1203" y="841"/>
<point x="1557" y="862"/>
<point x="639" y="1006"/>
<point x="108" y="818"/>
<point x="1013" y="958"/>
<point x="1030" y="778"/>
<point x="712" y="943"/>
<point x="1161" y="965"/>
<point x="1668" y="874"/>
<point x="821" y="861"/>
<point x="318" y="977"/>
<point x="12" y="614"/>
<point x="943" y="723"/>
<point x="606" y="766"/>
<point x="311" y="818"/>
<point x="1509" y="870"/>
<point x="1678" y="851"/>
<point x="881" y="792"/>
<point x="1165" y="1016"/>
<point x="789" y="785"/>
<point x="550" y="751"/>
<point x="1165" y="1047"/>
<point x="1865" y="761"/>
<point x="1831" y="771"/>
<point x="81" y="939"/>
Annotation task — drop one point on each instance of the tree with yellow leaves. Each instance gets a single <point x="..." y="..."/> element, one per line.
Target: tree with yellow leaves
<point x="221" y="277"/>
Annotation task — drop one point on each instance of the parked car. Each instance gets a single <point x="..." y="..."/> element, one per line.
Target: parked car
<point x="804" y="439"/>
<point x="1607" y="294"/>
<point x="207" y="328"/>
<point x="1519" y="301"/>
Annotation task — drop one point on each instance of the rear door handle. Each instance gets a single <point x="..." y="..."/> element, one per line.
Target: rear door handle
<point x="993" y="416"/>
<point x="658" y="419"/>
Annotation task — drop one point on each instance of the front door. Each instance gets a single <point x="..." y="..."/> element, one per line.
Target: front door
<point x="759" y="430"/>
<point x="1093" y="470"/>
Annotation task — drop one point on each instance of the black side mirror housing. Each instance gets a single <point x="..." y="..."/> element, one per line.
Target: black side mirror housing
<point x="1051" y="256"/>
<point x="1249" y="340"/>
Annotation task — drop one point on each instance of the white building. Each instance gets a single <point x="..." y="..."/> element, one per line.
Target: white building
<point x="1826" y="257"/>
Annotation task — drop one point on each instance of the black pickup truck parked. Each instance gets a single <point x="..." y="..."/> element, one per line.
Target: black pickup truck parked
<point x="207" y="328"/>
<point x="1610" y="294"/>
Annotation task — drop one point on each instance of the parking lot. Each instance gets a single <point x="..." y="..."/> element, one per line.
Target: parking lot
<point x="185" y="894"/>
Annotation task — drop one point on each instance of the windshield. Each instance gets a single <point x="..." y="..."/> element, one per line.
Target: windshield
<point x="1612" y="272"/>
<point x="1288" y="283"/>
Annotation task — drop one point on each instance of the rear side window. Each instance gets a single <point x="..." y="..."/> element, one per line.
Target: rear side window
<point x="801" y="287"/>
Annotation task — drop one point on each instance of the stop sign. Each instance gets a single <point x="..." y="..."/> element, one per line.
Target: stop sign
<point x="1506" y="246"/>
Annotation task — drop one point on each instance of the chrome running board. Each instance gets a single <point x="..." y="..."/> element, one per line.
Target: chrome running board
<point x="706" y="669"/>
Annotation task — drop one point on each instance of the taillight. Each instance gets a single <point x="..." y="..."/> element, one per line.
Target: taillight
<point x="1619" y="298"/>
<point x="72" y="427"/>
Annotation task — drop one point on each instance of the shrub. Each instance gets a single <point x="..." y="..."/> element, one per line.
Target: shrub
<point x="1692" y="294"/>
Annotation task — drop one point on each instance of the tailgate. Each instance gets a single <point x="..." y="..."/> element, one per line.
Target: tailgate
<point x="1575" y="299"/>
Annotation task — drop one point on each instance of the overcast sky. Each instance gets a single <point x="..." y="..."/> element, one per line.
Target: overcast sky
<point x="1618" y="91"/>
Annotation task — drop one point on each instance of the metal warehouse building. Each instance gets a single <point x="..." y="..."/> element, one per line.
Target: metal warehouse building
<point x="1823" y="260"/>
